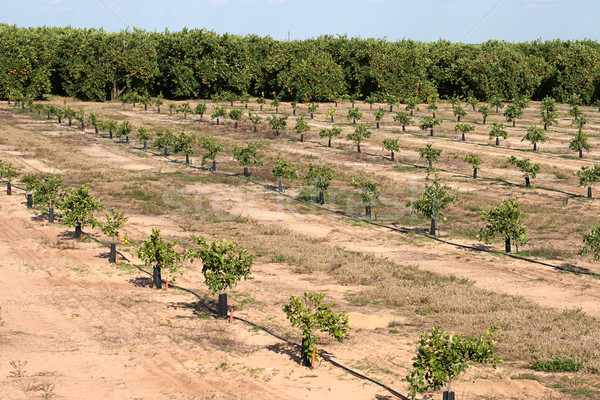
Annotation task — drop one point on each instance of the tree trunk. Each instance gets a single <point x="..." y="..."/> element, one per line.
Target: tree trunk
<point x="187" y="159"/>
<point x="156" y="278"/>
<point x="433" y="114"/>
<point x="332" y="119"/>
<point x="497" y="140"/>
<point x="294" y="112"/>
<point x="329" y="143"/>
<point x="51" y="214"/>
<point x="432" y="227"/>
<point x="358" y="147"/>
<point x="115" y="92"/>
<point x="235" y="125"/>
<point x="312" y="115"/>
<point x="464" y="139"/>
<point x="589" y="192"/>
<point x="534" y="146"/>
<point x="403" y="128"/>
<point x="222" y="308"/>
<point x="474" y="173"/>
<point x="580" y="153"/>
<point x="217" y="121"/>
<point x="112" y="257"/>
<point x="165" y="151"/>
<point x="29" y="200"/>
<point x="431" y="132"/>
<point x="430" y="164"/>
<point x="458" y="119"/>
<point x="448" y="396"/>
<point x="484" y="119"/>
<point x="305" y="359"/>
<point x="371" y="107"/>
<point x="158" y="110"/>
<point x="545" y="126"/>
<point x="368" y="211"/>
<point x="60" y="120"/>
<point x="78" y="231"/>
<point x="527" y="182"/>
<point x="95" y="129"/>
<point x="514" y="123"/>
<point x="246" y="173"/>
<point x="321" y="197"/>
<point x="280" y="184"/>
<point x="145" y="145"/>
<point x="261" y="107"/>
<point x="354" y="121"/>
<point x="392" y="155"/>
<point x="145" y="107"/>
<point x="377" y="125"/>
<point x="497" y="111"/>
<point x="507" y="248"/>
<point x="411" y="113"/>
<point x="8" y="189"/>
<point x="126" y="139"/>
<point x="302" y="137"/>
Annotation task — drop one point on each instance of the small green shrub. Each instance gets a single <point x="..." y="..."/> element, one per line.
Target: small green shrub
<point x="557" y="365"/>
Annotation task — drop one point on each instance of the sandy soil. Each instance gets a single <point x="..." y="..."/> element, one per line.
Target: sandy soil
<point x="88" y="329"/>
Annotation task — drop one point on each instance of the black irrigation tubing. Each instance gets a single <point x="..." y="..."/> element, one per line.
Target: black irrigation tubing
<point x="573" y="269"/>
<point x="333" y="362"/>
<point x="541" y="153"/>
<point x="214" y="311"/>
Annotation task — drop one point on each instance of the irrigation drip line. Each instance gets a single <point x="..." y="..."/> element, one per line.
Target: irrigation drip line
<point x="573" y="269"/>
<point x="540" y="153"/>
<point x="325" y="357"/>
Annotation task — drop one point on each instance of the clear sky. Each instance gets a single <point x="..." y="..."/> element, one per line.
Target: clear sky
<point x="469" y="21"/>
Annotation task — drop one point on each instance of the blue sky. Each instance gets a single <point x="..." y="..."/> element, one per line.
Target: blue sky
<point x="469" y="21"/>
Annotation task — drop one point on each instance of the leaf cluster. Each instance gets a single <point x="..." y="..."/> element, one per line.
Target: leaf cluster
<point x="223" y="264"/>
<point x="310" y="313"/>
<point x="158" y="252"/>
<point x="441" y="357"/>
<point x="248" y="156"/>
<point x="505" y="220"/>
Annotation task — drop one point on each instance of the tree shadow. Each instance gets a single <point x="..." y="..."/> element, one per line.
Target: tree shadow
<point x="287" y="349"/>
<point x="106" y="255"/>
<point x="576" y="269"/>
<point x="199" y="308"/>
<point x="141" y="282"/>
<point x="384" y="397"/>
<point x="69" y="234"/>
<point x="40" y="218"/>
<point x="482" y="247"/>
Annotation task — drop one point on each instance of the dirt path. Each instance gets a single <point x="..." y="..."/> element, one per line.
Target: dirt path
<point x="97" y="331"/>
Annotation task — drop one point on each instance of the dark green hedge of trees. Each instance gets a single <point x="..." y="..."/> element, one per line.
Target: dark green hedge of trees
<point x="92" y="64"/>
